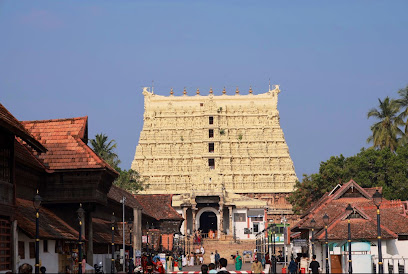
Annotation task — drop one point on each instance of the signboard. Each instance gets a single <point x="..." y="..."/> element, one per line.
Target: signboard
<point x="300" y="242"/>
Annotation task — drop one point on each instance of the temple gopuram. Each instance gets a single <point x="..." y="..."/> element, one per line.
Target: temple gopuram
<point x="223" y="158"/>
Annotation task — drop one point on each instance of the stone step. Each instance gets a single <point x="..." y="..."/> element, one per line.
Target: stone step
<point x="225" y="248"/>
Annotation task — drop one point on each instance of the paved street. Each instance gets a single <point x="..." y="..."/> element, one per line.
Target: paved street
<point x="245" y="267"/>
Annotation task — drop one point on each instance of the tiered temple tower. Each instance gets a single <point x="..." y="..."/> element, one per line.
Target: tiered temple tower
<point x="222" y="154"/>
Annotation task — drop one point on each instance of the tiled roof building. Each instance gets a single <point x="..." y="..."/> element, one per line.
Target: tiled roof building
<point x="363" y="220"/>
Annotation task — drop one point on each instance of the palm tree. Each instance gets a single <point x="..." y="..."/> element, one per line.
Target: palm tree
<point x="403" y="103"/>
<point x="386" y="132"/>
<point x="105" y="149"/>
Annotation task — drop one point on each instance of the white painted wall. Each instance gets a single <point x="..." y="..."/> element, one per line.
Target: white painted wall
<point x="239" y="226"/>
<point x="48" y="259"/>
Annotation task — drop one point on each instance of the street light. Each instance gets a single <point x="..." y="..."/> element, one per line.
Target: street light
<point x="80" y="213"/>
<point x="313" y="225"/>
<point x="113" y="220"/>
<point x="377" y="199"/>
<point x="130" y="225"/>
<point x="326" y="222"/>
<point x="284" y="230"/>
<point x="349" y="210"/>
<point x="37" y="203"/>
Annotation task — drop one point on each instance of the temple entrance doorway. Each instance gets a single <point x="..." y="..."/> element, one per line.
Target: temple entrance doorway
<point x="208" y="220"/>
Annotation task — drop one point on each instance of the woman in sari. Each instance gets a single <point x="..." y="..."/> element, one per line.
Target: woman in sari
<point x="238" y="262"/>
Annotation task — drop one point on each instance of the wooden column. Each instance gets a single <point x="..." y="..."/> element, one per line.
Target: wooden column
<point x="137" y="230"/>
<point x="221" y="228"/>
<point x="89" y="225"/>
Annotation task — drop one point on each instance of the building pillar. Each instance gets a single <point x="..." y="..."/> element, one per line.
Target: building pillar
<point x="221" y="229"/>
<point x="137" y="231"/>
<point x="14" y="249"/>
<point x="194" y="211"/>
<point x="185" y="220"/>
<point x="231" y="232"/>
<point x="89" y="225"/>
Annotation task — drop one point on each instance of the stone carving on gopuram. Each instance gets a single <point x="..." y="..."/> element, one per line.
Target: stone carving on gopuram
<point x="227" y="146"/>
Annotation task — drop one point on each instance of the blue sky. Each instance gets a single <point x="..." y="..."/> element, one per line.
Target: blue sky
<point x="332" y="59"/>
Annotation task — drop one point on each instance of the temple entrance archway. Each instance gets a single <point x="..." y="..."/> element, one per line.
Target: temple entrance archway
<point x="208" y="218"/>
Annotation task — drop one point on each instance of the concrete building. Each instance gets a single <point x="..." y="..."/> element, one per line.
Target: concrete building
<point x="224" y="158"/>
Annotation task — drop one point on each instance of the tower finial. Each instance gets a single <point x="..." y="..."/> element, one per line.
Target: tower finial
<point x="198" y="91"/>
<point x="223" y="91"/>
<point x="269" y="84"/>
<point x="184" y="92"/>
<point x="211" y="91"/>
<point x="171" y="91"/>
<point x="237" y="91"/>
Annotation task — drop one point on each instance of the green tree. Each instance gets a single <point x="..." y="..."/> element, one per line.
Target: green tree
<point x="369" y="168"/>
<point x="129" y="180"/>
<point x="403" y="103"/>
<point x="105" y="149"/>
<point x="386" y="132"/>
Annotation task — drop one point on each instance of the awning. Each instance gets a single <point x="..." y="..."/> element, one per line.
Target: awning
<point x="255" y="212"/>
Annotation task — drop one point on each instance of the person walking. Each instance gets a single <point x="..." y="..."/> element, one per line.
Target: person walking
<point x="256" y="266"/>
<point x="238" y="262"/>
<point x="217" y="259"/>
<point x="212" y="258"/>
<point x="314" y="266"/>
<point x="292" y="267"/>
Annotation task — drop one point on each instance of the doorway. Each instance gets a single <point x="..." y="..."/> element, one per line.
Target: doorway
<point x="208" y="220"/>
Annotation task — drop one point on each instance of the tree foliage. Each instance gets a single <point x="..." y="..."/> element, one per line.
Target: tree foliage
<point x="130" y="179"/>
<point x="386" y="132"/>
<point x="369" y="168"/>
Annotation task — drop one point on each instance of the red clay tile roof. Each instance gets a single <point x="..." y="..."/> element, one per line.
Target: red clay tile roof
<point x="10" y="123"/>
<point x="51" y="226"/>
<point x="25" y="155"/>
<point x="393" y="218"/>
<point x="158" y="206"/>
<point x="64" y="139"/>
<point x="102" y="232"/>
<point x="116" y="193"/>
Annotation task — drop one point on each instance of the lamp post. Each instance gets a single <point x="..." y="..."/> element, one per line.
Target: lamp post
<point x="377" y="199"/>
<point x="80" y="213"/>
<point x="313" y="225"/>
<point x="113" y="220"/>
<point x="37" y="203"/>
<point x="326" y="222"/>
<point x="273" y="255"/>
<point x="130" y="225"/>
<point x="284" y="238"/>
<point x="349" y="210"/>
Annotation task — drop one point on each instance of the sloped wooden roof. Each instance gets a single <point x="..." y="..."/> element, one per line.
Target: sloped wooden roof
<point x="10" y="123"/>
<point x="65" y="140"/>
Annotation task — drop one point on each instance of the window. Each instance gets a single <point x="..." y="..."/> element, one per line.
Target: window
<point x="32" y="250"/>
<point x="211" y="147"/>
<point x="21" y="250"/>
<point x="256" y="219"/>
<point x="211" y="163"/>
<point x="211" y="120"/>
<point x="239" y="217"/>
<point x="211" y="133"/>
<point x="256" y="228"/>
<point x="45" y="245"/>
<point x="201" y="104"/>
